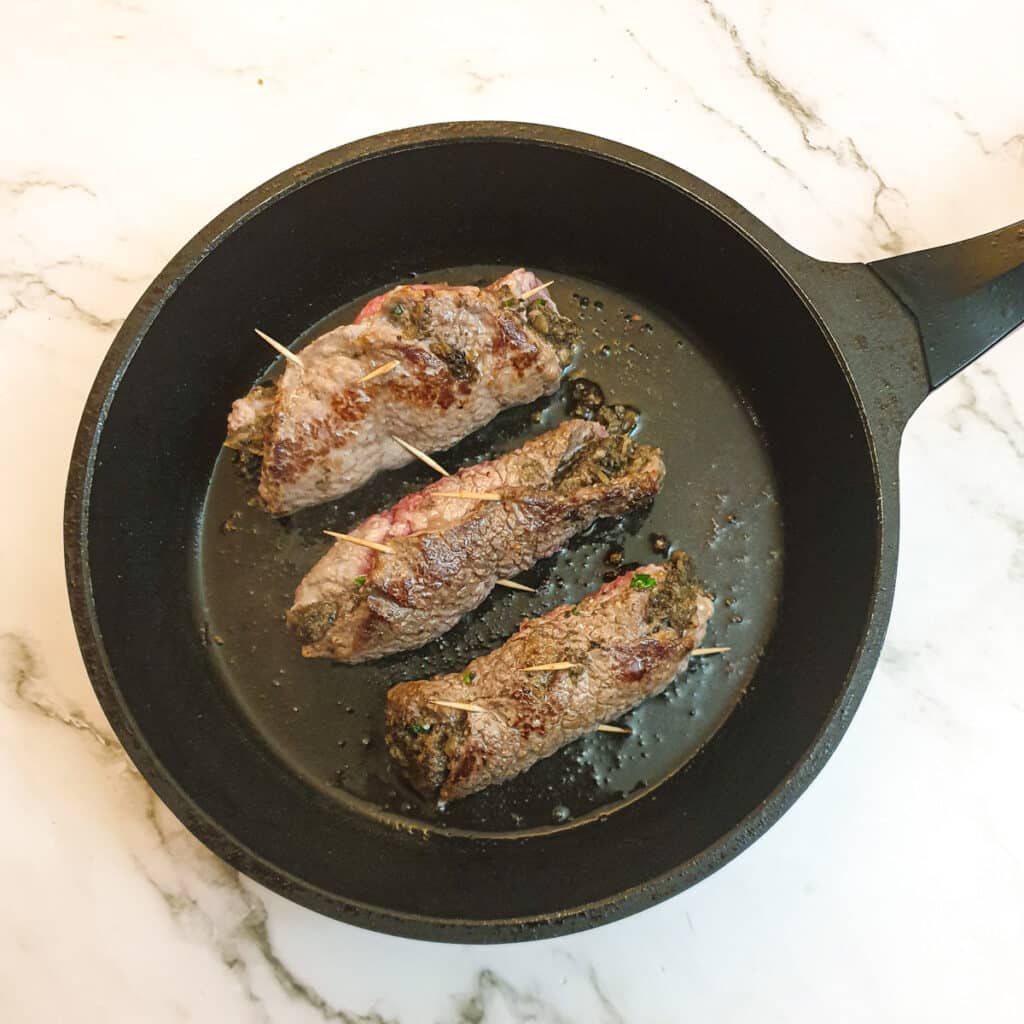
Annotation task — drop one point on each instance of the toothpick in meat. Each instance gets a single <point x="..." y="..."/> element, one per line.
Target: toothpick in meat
<point x="457" y="704"/>
<point x="361" y="542"/>
<point x="379" y="371"/>
<point x="538" y="288"/>
<point x="512" y="585"/>
<point x="469" y="495"/>
<point x="278" y="347"/>
<point x="422" y="456"/>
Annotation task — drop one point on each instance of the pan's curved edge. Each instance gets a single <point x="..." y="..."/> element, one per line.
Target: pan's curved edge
<point x="213" y="835"/>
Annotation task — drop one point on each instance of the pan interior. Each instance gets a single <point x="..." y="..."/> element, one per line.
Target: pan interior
<point x="325" y="721"/>
<point x="733" y="351"/>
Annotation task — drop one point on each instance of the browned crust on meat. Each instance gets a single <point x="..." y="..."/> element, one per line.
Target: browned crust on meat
<point x="463" y="356"/>
<point x="516" y="339"/>
<point x="288" y="459"/>
<point x="628" y="645"/>
<point x="430" y="579"/>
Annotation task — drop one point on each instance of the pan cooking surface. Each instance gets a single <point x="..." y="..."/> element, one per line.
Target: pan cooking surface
<point x="256" y="750"/>
<point x="719" y="502"/>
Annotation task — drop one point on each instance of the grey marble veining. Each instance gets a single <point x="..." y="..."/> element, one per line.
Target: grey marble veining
<point x="892" y="890"/>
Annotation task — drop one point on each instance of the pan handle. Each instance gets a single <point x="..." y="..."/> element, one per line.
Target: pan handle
<point x="965" y="296"/>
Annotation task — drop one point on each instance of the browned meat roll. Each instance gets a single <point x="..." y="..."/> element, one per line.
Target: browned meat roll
<point x="462" y="355"/>
<point x="628" y="641"/>
<point x="445" y="554"/>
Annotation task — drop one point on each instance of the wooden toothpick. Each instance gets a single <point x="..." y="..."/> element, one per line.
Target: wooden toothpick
<point x="469" y="495"/>
<point x="372" y="544"/>
<point x="710" y="650"/>
<point x="512" y="585"/>
<point x="457" y="704"/>
<point x="553" y="666"/>
<point x="537" y="288"/>
<point x="422" y="456"/>
<point x="379" y="371"/>
<point x="278" y="347"/>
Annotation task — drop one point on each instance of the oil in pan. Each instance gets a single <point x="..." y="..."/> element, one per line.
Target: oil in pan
<point x="325" y="721"/>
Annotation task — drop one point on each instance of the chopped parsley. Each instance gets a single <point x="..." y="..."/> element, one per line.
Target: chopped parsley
<point x="542" y="302"/>
<point x="359" y="581"/>
<point x="417" y="727"/>
<point x="468" y="677"/>
<point x="508" y="303"/>
<point x="397" y="309"/>
<point x="641" y="581"/>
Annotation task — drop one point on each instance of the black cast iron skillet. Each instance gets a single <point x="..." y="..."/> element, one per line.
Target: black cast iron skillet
<point x="778" y="386"/>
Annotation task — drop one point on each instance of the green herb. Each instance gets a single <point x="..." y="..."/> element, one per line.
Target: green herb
<point x="359" y="581"/>
<point x="509" y="302"/>
<point x="641" y="581"/>
<point x="397" y="309"/>
<point x="468" y="677"/>
<point x="417" y="727"/>
<point x="575" y="610"/>
<point x="542" y="302"/>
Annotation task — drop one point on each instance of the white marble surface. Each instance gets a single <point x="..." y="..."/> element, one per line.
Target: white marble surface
<point x="893" y="891"/>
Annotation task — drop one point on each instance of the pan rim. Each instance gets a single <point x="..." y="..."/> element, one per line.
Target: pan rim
<point x="216" y="836"/>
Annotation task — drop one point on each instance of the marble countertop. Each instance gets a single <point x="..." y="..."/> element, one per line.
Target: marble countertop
<point x="893" y="890"/>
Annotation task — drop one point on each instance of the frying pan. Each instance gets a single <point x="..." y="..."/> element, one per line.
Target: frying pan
<point x="778" y="387"/>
